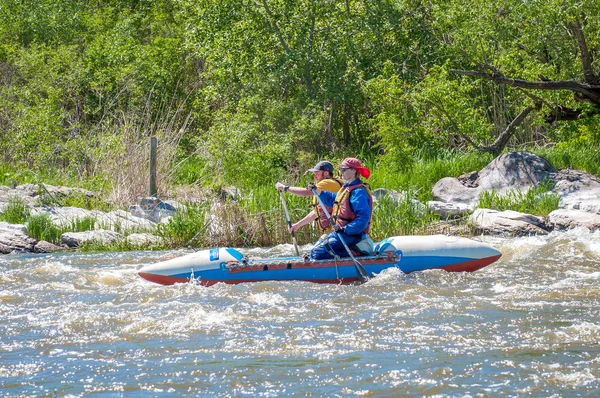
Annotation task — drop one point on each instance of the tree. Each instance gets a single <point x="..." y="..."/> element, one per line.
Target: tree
<point x="529" y="56"/>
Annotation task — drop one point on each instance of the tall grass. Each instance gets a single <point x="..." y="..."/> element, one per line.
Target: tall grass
<point x="15" y="212"/>
<point x="572" y="156"/>
<point x="126" y="161"/>
<point x="537" y="200"/>
<point x="41" y="227"/>
<point x="266" y="201"/>
<point x="188" y="226"/>
<point x="403" y="217"/>
<point x="422" y="174"/>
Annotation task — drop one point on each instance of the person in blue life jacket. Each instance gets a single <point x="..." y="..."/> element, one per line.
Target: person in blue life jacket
<point x="352" y="213"/>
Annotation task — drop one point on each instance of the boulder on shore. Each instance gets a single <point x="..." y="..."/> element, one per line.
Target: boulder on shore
<point x="13" y="237"/>
<point x="46" y="247"/>
<point x="508" y="222"/>
<point x="76" y="239"/>
<point x="510" y="171"/>
<point x="565" y="219"/>
<point x="578" y="192"/>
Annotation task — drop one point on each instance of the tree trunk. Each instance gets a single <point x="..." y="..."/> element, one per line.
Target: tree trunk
<point x="498" y="146"/>
<point x="346" y="124"/>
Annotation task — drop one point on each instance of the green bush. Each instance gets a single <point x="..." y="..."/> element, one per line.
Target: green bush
<point x="399" y="217"/>
<point x="187" y="226"/>
<point x="15" y="211"/>
<point x="41" y="227"/>
<point x="537" y="200"/>
<point x="79" y="200"/>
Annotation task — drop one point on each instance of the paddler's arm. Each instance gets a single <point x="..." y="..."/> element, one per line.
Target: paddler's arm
<point x="327" y="197"/>
<point x="310" y="217"/>
<point x="299" y="191"/>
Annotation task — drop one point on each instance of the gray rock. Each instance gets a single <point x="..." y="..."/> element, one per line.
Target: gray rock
<point x="75" y="239"/>
<point x="511" y="171"/>
<point x="586" y="200"/>
<point x="515" y="170"/>
<point x="27" y="190"/>
<point x="566" y="219"/>
<point x="449" y="210"/>
<point x="399" y="197"/>
<point x="518" y="171"/>
<point x="507" y="222"/>
<point x="379" y="193"/>
<point x="143" y="239"/>
<point x="31" y="193"/>
<point x="118" y="221"/>
<point x="153" y="209"/>
<point x="230" y="193"/>
<point x="451" y="190"/>
<point x="46" y="247"/>
<point x="569" y="181"/>
<point x="13" y="237"/>
<point x="65" y="216"/>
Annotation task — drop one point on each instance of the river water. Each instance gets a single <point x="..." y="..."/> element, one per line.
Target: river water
<point x="87" y="324"/>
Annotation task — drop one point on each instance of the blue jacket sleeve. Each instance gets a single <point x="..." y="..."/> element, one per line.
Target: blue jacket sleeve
<point x="327" y="197"/>
<point x="359" y="201"/>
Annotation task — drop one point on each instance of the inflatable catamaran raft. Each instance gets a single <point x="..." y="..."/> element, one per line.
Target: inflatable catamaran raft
<point x="408" y="253"/>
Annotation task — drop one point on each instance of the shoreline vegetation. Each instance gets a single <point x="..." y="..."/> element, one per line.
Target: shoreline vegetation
<point x="240" y="95"/>
<point x="254" y="217"/>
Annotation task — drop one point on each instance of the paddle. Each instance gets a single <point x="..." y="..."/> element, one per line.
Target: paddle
<point x="287" y="217"/>
<point x="362" y="272"/>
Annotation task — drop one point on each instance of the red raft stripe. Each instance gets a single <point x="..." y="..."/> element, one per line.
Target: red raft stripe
<point x="470" y="266"/>
<point x="162" y="279"/>
<point x="171" y="280"/>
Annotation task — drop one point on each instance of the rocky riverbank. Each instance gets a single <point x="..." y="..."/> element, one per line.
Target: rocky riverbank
<point x="578" y="192"/>
<point x="137" y="226"/>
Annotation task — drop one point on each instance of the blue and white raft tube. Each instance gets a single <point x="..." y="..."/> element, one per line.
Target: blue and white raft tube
<point x="408" y="253"/>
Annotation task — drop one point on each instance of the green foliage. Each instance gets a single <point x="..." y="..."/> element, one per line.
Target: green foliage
<point x="15" y="211"/>
<point x="425" y="170"/>
<point x="41" y="227"/>
<point x="190" y="170"/>
<point x="578" y="155"/>
<point x="536" y="200"/>
<point x="117" y="245"/>
<point x="399" y="217"/>
<point x="75" y="199"/>
<point x="247" y="94"/>
<point x="188" y="226"/>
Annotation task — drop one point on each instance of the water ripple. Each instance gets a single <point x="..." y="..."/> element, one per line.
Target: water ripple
<point x="78" y="324"/>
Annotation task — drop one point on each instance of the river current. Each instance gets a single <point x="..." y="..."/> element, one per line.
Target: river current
<point x="81" y="324"/>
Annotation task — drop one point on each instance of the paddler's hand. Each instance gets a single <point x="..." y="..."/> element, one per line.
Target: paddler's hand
<point x="294" y="228"/>
<point x="280" y="187"/>
<point x="337" y="228"/>
<point x="310" y="186"/>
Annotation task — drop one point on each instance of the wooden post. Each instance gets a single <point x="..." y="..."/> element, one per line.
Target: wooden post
<point x="152" y="184"/>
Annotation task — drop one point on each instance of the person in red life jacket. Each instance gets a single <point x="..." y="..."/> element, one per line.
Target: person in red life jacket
<point x="352" y="212"/>
<point x="323" y="175"/>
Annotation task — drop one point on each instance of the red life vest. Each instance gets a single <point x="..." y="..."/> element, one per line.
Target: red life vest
<point x="323" y="223"/>
<point x="342" y="211"/>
